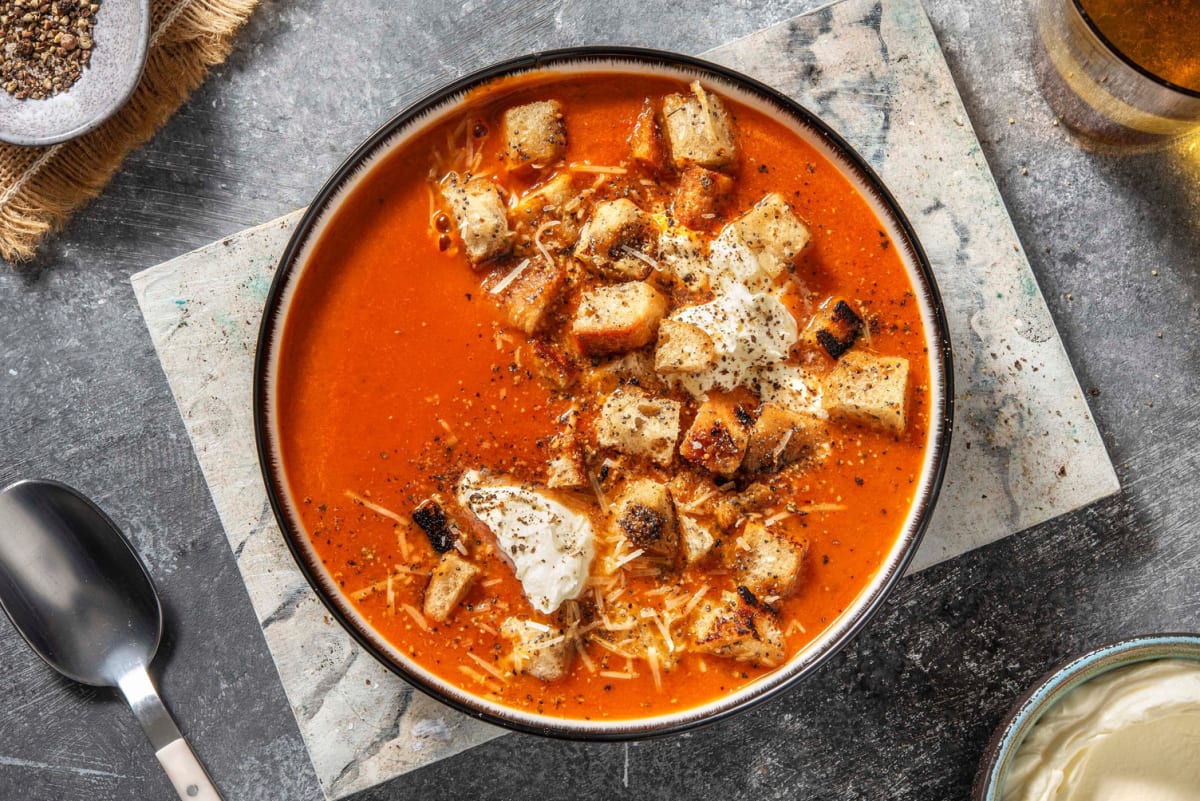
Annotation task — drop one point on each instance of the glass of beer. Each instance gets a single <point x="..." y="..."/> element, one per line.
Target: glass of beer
<point x="1123" y="74"/>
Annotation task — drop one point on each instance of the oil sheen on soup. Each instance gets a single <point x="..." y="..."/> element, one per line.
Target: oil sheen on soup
<point x="603" y="397"/>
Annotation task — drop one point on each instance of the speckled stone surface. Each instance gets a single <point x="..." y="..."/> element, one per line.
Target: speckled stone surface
<point x="360" y="723"/>
<point x="902" y="714"/>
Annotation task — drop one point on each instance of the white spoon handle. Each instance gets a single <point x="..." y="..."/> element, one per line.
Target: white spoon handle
<point x="174" y="754"/>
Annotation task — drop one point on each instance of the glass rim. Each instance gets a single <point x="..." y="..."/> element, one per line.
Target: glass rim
<point x="1112" y="48"/>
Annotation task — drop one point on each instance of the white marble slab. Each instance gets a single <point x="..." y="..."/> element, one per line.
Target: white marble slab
<point x="1025" y="448"/>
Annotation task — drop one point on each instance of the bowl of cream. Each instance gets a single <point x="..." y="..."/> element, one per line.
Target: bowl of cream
<point x="1120" y="722"/>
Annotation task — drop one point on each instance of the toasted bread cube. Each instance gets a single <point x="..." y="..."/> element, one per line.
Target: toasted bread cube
<point x="615" y="242"/>
<point x="700" y="196"/>
<point x="729" y="627"/>
<point x="531" y="293"/>
<point x="645" y="142"/>
<point x="635" y="423"/>
<point x="448" y="585"/>
<point x="618" y="318"/>
<point x="698" y="129"/>
<point x="646" y="514"/>
<point x="681" y="256"/>
<point x="718" y="436"/>
<point x="868" y="389"/>
<point x="767" y="562"/>
<point x="535" y="134"/>
<point x="780" y="437"/>
<point x="730" y="510"/>
<point x="696" y="540"/>
<point x="772" y="232"/>
<point x="479" y="212"/>
<point x="566" y="468"/>
<point x="683" y="348"/>
<point x="836" y="327"/>
<point x="538" y="650"/>
<point x="635" y="367"/>
<point x="552" y="194"/>
<point x="552" y="364"/>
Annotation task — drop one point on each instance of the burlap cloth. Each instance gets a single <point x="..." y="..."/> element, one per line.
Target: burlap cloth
<point x="41" y="186"/>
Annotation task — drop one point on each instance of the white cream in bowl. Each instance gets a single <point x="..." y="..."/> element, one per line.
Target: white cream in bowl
<point x="1132" y="733"/>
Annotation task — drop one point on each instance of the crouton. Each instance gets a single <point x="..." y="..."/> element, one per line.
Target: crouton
<point x="778" y="438"/>
<point x="534" y="134"/>
<point x="528" y="292"/>
<point x="730" y="510"/>
<point x="731" y="627"/>
<point x="772" y="232"/>
<point x="637" y="424"/>
<point x="566" y="468"/>
<point x="683" y="348"/>
<point x="448" y="585"/>
<point x="719" y="434"/>
<point x="681" y="256"/>
<point x="696" y="541"/>
<point x="698" y="129"/>
<point x="430" y="516"/>
<point x="538" y="650"/>
<point x="552" y="364"/>
<point x="618" y="318"/>
<point x="553" y="193"/>
<point x="479" y="212"/>
<point x="646" y="514"/>
<point x="645" y="142"/>
<point x="700" y="196"/>
<point x="836" y="327"/>
<point x="789" y="387"/>
<point x="636" y="367"/>
<point x="767" y="562"/>
<point x="614" y="243"/>
<point x="868" y="389"/>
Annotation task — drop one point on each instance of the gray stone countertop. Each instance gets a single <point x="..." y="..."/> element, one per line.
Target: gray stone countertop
<point x="902" y="713"/>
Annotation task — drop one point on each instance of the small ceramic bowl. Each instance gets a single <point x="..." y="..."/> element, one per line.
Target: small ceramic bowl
<point x="1029" y="708"/>
<point x="122" y="36"/>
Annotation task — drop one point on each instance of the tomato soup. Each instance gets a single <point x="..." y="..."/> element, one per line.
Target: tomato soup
<point x="603" y="396"/>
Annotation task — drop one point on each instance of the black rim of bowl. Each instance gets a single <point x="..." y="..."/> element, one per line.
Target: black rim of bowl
<point x="273" y="320"/>
<point x="1060" y="680"/>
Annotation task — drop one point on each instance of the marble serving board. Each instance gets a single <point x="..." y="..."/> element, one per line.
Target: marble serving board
<point x="1025" y="448"/>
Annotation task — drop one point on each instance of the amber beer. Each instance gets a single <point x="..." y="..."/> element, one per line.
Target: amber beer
<point x="1121" y="72"/>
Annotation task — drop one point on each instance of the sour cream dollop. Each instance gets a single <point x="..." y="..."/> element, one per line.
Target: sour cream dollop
<point x="549" y="546"/>
<point x="1131" y="733"/>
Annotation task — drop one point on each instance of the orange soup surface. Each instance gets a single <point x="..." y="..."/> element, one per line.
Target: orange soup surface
<point x="527" y="343"/>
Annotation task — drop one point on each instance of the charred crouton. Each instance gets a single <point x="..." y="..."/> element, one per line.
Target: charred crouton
<point x="614" y="319"/>
<point x="780" y="437"/>
<point x="700" y="196"/>
<point x="635" y="423"/>
<point x="730" y="510"/>
<point x="772" y="232"/>
<point x="528" y="292"/>
<point x="683" y="348"/>
<point x="535" y="134"/>
<point x="767" y="562"/>
<point x="636" y="368"/>
<point x="698" y="129"/>
<point x="552" y="364"/>
<point x="731" y="627"/>
<point x="430" y="516"/>
<point x="836" y="327"/>
<point x="695" y="540"/>
<point x="646" y="514"/>
<point x="538" y="650"/>
<point x="451" y="580"/>
<point x="681" y="257"/>
<point x="479" y="212"/>
<point x="614" y="243"/>
<point x="868" y="389"/>
<point x="719" y="434"/>
<point x="645" y="142"/>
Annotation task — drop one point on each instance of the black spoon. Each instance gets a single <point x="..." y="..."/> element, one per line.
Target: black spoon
<point x="79" y="595"/>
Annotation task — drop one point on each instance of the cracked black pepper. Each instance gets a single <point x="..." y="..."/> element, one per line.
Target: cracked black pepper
<point x="46" y="46"/>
